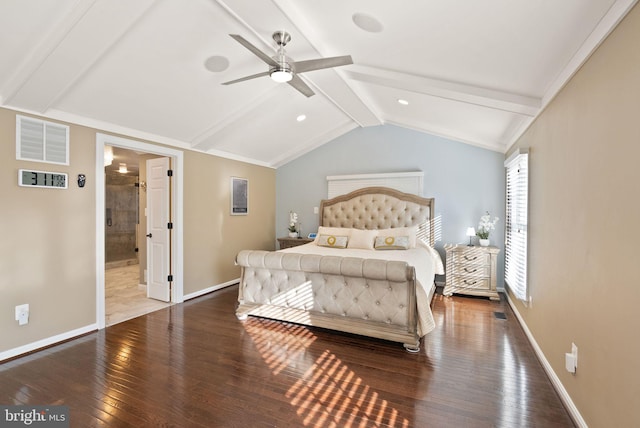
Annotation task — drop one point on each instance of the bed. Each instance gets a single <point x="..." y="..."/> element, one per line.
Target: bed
<point x="370" y="270"/>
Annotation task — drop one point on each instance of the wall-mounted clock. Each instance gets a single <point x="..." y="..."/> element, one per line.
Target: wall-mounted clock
<point x="48" y="180"/>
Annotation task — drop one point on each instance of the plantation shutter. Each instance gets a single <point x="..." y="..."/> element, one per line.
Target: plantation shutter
<point x="517" y="188"/>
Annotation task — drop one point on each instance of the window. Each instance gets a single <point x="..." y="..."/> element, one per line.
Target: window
<point x="38" y="140"/>
<point x="515" y="259"/>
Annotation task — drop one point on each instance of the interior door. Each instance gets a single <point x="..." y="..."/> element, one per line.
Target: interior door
<point x="158" y="231"/>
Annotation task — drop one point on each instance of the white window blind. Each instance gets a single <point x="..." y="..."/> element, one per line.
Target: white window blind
<point x="517" y="188"/>
<point x="38" y="140"/>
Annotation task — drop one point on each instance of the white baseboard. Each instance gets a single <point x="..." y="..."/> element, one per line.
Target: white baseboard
<point x="555" y="380"/>
<point x="5" y="355"/>
<point x="210" y="289"/>
<point x="20" y="350"/>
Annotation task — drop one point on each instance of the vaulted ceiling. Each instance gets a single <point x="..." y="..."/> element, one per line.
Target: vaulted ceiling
<point x="473" y="71"/>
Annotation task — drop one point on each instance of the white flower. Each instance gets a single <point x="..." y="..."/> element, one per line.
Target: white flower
<point x="293" y="219"/>
<point x="486" y="225"/>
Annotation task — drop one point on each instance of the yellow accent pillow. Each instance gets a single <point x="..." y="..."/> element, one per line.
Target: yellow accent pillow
<point x="332" y="241"/>
<point x="409" y="232"/>
<point x="392" y="243"/>
<point x="335" y="231"/>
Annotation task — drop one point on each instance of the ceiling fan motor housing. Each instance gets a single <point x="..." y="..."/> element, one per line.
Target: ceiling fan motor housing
<point x="281" y="38"/>
<point x="284" y="70"/>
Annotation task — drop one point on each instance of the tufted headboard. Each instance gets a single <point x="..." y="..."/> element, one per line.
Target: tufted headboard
<point x="379" y="208"/>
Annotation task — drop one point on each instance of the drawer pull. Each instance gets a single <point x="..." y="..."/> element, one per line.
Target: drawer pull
<point x="469" y="283"/>
<point x="467" y="258"/>
<point x="470" y="271"/>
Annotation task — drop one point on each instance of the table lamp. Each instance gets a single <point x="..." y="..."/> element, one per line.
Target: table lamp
<point x="470" y="232"/>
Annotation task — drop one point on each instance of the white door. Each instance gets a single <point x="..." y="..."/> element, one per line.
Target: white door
<point x="158" y="232"/>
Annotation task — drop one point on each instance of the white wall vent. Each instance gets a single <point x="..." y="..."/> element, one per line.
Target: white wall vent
<point x="41" y="141"/>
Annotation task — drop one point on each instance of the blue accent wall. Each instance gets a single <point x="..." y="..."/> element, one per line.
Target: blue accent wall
<point x="465" y="180"/>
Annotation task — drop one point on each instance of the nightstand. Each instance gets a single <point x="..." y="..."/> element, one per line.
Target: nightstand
<point x="471" y="270"/>
<point x="292" y="242"/>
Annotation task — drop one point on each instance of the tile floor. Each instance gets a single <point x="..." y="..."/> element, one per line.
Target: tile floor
<point x="125" y="297"/>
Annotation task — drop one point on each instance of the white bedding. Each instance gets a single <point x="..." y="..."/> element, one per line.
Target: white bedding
<point x="425" y="259"/>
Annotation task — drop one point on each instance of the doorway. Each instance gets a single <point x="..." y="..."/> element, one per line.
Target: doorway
<point x="121" y="247"/>
<point x="126" y="267"/>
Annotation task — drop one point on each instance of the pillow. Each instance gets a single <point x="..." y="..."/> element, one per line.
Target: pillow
<point x="392" y="243"/>
<point x="336" y="231"/>
<point x="410" y="232"/>
<point x="363" y="239"/>
<point x="333" y="241"/>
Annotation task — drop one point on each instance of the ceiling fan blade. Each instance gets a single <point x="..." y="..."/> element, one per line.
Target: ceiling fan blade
<point x="257" y="52"/>
<point x="242" y="79"/>
<point x="302" y="87"/>
<point x="320" y="63"/>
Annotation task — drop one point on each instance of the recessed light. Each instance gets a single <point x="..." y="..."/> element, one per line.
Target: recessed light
<point x="403" y="102"/>
<point x="216" y="64"/>
<point x="367" y="23"/>
<point x="301" y="117"/>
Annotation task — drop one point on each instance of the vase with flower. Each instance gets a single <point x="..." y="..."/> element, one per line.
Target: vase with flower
<point x="293" y="219"/>
<point x="485" y="226"/>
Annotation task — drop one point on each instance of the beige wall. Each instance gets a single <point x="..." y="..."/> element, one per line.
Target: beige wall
<point x="48" y="245"/>
<point x="212" y="236"/>
<point x="583" y="229"/>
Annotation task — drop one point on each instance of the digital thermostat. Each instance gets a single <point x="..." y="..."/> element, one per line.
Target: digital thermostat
<point x="49" y="180"/>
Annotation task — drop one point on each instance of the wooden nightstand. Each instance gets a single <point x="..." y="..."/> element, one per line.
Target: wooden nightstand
<point x="471" y="271"/>
<point x="292" y="242"/>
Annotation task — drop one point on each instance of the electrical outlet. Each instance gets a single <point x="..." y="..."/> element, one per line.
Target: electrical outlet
<point x="571" y="359"/>
<point x="22" y="314"/>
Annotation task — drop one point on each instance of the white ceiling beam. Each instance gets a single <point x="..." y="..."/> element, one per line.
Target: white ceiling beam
<point x="238" y="118"/>
<point x="34" y="59"/>
<point x="329" y="83"/>
<point x="58" y="66"/>
<point x="513" y="103"/>
<point x="302" y="148"/>
<point x="607" y="24"/>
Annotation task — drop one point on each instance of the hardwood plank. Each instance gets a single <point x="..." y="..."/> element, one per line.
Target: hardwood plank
<point x="195" y="364"/>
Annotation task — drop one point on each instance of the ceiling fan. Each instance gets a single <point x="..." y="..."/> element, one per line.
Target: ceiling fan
<point x="283" y="69"/>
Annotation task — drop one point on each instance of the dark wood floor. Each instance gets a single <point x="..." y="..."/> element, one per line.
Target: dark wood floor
<point x="195" y="364"/>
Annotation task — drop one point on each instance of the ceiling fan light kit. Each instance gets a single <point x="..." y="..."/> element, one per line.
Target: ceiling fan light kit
<point x="282" y="69"/>
<point x="281" y="75"/>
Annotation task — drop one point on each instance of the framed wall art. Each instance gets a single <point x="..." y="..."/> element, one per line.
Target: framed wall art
<point x="239" y="196"/>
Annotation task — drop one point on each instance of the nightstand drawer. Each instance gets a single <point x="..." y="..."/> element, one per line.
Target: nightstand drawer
<point x="470" y="257"/>
<point x="476" y="270"/>
<point x="472" y="282"/>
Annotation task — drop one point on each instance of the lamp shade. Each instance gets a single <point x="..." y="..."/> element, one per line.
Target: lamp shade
<point x="471" y="231"/>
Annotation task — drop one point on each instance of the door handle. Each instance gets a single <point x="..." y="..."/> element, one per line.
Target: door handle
<point x="149" y="235"/>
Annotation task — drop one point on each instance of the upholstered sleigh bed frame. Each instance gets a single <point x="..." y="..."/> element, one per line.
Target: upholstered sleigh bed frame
<point x="303" y="288"/>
